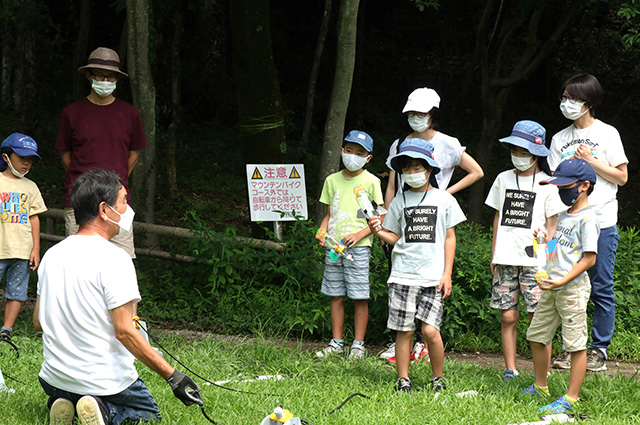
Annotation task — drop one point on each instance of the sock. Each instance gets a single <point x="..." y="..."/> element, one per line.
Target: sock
<point x="573" y="401"/>
<point x="356" y="342"/>
<point x="340" y="342"/>
<point x="542" y="390"/>
<point x="6" y="328"/>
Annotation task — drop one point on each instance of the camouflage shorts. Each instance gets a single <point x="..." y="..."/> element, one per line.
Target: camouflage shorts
<point x="508" y="282"/>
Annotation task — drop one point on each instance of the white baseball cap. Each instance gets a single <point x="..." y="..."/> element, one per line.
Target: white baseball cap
<point x="422" y="100"/>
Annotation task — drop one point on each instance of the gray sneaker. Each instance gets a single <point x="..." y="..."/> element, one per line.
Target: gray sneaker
<point x="563" y="361"/>
<point x="596" y="361"/>
<point x="331" y="349"/>
<point x="438" y="384"/>
<point x="357" y="351"/>
<point x="403" y="385"/>
<point x="62" y="412"/>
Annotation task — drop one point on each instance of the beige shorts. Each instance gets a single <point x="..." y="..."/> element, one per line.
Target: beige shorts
<point x="124" y="241"/>
<point x="568" y="307"/>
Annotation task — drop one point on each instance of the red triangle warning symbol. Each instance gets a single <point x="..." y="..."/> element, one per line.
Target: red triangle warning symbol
<point x="294" y="174"/>
<point x="256" y="175"/>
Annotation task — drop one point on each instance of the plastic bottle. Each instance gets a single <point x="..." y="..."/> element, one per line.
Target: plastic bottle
<point x="541" y="258"/>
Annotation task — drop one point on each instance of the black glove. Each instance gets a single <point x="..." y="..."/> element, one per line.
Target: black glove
<point x="185" y="389"/>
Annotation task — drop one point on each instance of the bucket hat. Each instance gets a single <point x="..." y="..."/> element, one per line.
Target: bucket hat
<point x="528" y="135"/>
<point x="103" y="58"/>
<point x="418" y="149"/>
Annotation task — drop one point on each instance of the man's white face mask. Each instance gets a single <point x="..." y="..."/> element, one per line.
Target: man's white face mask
<point x="126" y="219"/>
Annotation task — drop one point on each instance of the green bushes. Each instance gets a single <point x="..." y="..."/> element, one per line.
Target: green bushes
<point x="236" y="288"/>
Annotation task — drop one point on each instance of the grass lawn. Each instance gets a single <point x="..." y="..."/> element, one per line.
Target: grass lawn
<point x="311" y="388"/>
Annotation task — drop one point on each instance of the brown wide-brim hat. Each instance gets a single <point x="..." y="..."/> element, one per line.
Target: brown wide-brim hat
<point x="103" y="58"/>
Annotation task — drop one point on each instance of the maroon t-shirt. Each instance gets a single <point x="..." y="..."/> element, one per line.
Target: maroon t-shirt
<point x="99" y="137"/>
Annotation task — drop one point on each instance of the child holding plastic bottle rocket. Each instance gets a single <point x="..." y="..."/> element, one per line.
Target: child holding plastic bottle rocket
<point x="347" y="237"/>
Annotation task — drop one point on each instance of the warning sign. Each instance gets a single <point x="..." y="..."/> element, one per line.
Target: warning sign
<point x="276" y="192"/>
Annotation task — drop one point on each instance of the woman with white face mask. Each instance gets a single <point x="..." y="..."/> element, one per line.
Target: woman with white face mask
<point x="599" y="144"/>
<point x="424" y="117"/>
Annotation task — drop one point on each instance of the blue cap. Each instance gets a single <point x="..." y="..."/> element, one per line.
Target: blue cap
<point x="571" y="171"/>
<point x="22" y="145"/>
<point x="418" y="149"/>
<point x="528" y="135"/>
<point x="361" y="138"/>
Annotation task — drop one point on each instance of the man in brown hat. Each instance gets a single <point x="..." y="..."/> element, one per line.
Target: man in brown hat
<point x="100" y="131"/>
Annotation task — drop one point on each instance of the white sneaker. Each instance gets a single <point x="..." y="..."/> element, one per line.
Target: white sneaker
<point x="357" y="351"/>
<point x="92" y="411"/>
<point x="389" y="352"/>
<point x="332" y="348"/>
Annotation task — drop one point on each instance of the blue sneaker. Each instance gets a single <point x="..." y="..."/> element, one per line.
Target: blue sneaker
<point x="537" y="391"/>
<point x="561" y="405"/>
<point x="509" y="375"/>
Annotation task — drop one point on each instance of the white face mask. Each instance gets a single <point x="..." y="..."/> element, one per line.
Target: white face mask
<point x="126" y="219"/>
<point x="522" y="163"/>
<point x="571" y="111"/>
<point x="415" y="180"/>
<point x="353" y="162"/>
<point x="103" y="88"/>
<point x="418" y="124"/>
<point x="13" y="170"/>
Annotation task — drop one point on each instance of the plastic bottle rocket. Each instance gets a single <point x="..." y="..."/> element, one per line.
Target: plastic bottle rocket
<point x="281" y="416"/>
<point x="368" y="207"/>
<point x="338" y="249"/>
<point x="540" y="249"/>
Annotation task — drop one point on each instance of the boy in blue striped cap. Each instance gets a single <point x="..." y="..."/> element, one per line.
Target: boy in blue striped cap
<point x="421" y="225"/>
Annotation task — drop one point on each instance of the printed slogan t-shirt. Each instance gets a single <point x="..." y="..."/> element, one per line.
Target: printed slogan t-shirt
<point x="418" y="256"/>
<point x="19" y="199"/>
<point x="521" y="210"/>
<point x="575" y="234"/>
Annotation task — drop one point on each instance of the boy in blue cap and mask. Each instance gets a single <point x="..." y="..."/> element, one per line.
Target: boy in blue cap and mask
<point x="420" y="224"/>
<point x="566" y="292"/>
<point x="344" y="277"/>
<point x="20" y="204"/>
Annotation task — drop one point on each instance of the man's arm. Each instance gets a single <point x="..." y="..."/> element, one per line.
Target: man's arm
<point x="134" y="156"/>
<point x="36" y="310"/>
<point x="133" y="341"/>
<point x="65" y="157"/>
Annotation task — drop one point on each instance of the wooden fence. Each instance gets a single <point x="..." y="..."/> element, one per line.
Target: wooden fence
<point x="48" y="234"/>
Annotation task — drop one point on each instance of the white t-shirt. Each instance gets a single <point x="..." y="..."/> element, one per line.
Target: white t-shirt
<point x="79" y="280"/>
<point x="447" y="151"/>
<point x="576" y="234"/>
<point x="418" y="256"/>
<point x="607" y="147"/>
<point x="520" y="212"/>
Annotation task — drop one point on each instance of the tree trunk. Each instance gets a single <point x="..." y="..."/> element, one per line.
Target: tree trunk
<point x="340" y="94"/>
<point x="313" y="78"/>
<point x="7" y="68"/>
<point x="143" y="185"/>
<point x="82" y="47"/>
<point x="176" y="102"/>
<point x="498" y="78"/>
<point x="260" y="101"/>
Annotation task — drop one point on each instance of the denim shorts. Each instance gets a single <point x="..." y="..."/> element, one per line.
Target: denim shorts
<point x="17" y="273"/>
<point x="134" y="404"/>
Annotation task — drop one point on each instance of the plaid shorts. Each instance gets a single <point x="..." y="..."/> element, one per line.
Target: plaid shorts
<point x="407" y="303"/>
<point x="567" y="306"/>
<point x="508" y="282"/>
<point x="351" y="278"/>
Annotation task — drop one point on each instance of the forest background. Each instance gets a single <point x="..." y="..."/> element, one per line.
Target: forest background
<point x="222" y="83"/>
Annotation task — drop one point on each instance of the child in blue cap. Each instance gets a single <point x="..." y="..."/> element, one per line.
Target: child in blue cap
<point x="343" y="277"/>
<point x="420" y="224"/>
<point x="566" y="292"/>
<point x="20" y="204"/>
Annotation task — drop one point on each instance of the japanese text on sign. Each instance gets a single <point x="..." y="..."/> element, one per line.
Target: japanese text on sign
<point x="276" y="192"/>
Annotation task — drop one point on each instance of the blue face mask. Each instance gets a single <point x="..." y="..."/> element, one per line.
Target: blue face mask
<point x="569" y="196"/>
